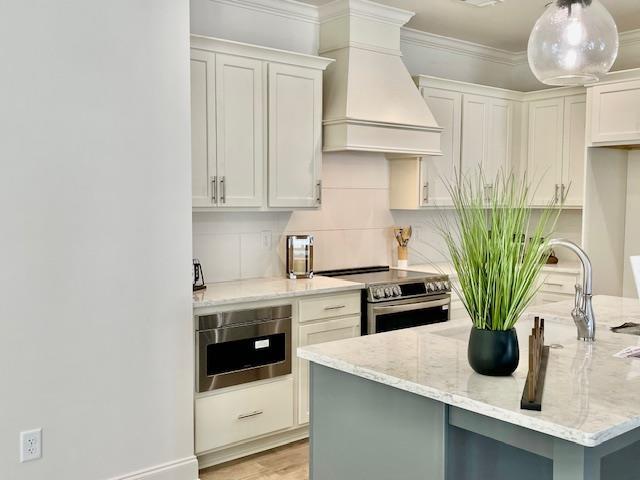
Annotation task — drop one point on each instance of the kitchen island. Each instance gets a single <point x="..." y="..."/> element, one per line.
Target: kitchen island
<point x="407" y="405"/>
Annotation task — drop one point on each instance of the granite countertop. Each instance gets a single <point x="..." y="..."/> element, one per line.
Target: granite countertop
<point x="447" y="268"/>
<point x="589" y="397"/>
<point x="256" y="289"/>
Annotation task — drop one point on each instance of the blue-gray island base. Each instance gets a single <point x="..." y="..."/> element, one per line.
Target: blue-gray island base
<point x="365" y="430"/>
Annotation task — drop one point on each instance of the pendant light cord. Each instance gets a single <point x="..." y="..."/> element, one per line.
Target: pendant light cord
<point x="569" y="3"/>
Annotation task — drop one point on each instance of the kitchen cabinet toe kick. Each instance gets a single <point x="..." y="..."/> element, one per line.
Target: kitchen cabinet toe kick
<point x="364" y="429"/>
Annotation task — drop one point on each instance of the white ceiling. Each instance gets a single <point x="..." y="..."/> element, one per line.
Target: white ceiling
<point x="506" y="25"/>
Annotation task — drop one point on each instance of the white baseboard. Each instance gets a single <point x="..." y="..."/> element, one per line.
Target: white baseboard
<point x="183" y="469"/>
<point x="254" y="446"/>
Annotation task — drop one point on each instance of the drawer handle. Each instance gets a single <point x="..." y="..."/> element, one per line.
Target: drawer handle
<point x="251" y="414"/>
<point x="335" y="307"/>
<point x="554" y="284"/>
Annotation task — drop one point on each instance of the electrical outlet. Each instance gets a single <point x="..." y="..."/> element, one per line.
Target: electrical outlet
<point x="30" y="445"/>
<point x="266" y="239"/>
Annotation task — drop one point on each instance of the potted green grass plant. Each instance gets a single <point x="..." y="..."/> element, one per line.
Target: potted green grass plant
<point x="498" y="247"/>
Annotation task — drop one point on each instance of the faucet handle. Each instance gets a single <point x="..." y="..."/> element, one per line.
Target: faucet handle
<point x="579" y="297"/>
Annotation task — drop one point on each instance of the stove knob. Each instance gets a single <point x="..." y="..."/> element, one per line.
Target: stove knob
<point x="430" y="287"/>
<point x="396" y="291"/>
<point x="388" y="292"/>
<point x="441" y="286"/>
<point x="378" y="293"/>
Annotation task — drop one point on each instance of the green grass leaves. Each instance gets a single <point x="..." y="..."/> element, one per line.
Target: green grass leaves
<point x="496" y="247"/>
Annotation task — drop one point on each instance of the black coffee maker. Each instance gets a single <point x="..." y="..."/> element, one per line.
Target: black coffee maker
<point x="197" y="276"/>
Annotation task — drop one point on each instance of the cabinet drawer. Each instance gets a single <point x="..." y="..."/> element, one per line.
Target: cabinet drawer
<point x="244" y="413"/>
<point x="329" y="306"/>
<point x="556" y="283"/>
<point x="544" y="298"/>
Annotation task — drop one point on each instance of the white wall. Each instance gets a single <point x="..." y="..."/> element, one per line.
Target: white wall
<point x="239" y="21"/>
<point x="96" y="344"/>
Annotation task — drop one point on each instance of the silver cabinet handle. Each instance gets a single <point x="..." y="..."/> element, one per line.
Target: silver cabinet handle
<point x="563" y="195"/>
<point x="551" y="284"/>
<point x="335" y="307"/>
<point x="425" y="192"/>
<point x="556" y="194"/>
<point x="319" y="196"/>
<point x="488" y="190"/>
<point x="255" y="413"/>
<point x="214" y="189"/>
<point x="223" y="190"/>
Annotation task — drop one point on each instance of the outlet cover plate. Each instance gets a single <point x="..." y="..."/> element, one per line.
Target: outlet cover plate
<point x="30" y="445"/>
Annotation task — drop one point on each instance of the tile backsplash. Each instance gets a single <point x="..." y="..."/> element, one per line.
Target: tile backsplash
<point x="353" y="227"/>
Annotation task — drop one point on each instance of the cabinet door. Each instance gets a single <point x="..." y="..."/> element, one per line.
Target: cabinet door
<point x="545" y="148"/>
<point x="438" y="171"/>
<point x="240" y="130"/>
<point x="500" y="139"/>
<point x="475" y="133"/>
<point x="326" y="331"/>
<point x="295" y="142"/>
<point x="573" y="158"/>
<point x="203" y="129"/>
<point x="615" y="113"/>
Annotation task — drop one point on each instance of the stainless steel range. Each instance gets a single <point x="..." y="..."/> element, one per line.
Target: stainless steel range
<point x="395" y="299"/>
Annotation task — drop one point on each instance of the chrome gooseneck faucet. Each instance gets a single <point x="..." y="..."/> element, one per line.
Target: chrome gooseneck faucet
<point x="582" y="312"/>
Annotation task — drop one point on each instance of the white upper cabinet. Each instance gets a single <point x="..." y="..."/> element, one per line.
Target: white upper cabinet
<point x="545" y="148"/>
<point x="615" y="113"/>
<point x="417" y="182"/>
<point x="487" y="130"/>
<point x="295" y="127"/>
<point x="475" y="132"/>
<point x="573" y="156"/>
<point x="439" y="171"/>
<point x="478" y="125"/>
<point x="500" y="138"/>
<point x="203" y="129"/>
<point x="240" y="131"/>
<point x="556" y="149"/>
<point x="256" y="118"/>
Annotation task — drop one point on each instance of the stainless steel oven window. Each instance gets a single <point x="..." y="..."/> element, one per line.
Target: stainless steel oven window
<point x="257" y="328"/>
<point x="434" y="309"/>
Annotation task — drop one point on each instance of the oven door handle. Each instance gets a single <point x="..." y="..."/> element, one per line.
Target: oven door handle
<point x="410" y="306"/>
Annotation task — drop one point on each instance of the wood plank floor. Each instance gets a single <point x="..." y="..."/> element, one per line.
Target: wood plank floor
<point x="290" y="462"/>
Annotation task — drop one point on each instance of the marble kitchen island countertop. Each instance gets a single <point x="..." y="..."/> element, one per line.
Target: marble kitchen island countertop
<point x="257" y="289"/>
<point x="589" y="397"/>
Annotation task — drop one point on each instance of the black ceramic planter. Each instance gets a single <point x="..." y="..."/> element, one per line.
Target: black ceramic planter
<point x="493" y="353"/>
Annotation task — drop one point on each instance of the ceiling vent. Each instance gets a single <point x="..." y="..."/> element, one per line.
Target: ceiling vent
<point x="482" y="3"/>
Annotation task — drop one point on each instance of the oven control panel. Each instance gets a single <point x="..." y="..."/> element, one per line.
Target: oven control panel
<point x="394" y="291"/>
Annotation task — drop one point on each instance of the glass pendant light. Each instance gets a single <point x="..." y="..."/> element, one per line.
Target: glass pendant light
<point x="574" y="42"/>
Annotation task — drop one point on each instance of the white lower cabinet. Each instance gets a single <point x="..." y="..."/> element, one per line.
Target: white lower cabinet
<point x="556" y="287"/>
<point x="244" y="419"/>
<point x="320" y="332"/>
<point x="232" y="416"/>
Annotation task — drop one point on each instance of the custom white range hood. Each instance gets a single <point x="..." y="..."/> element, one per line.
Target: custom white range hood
<point x="370" y="101"/>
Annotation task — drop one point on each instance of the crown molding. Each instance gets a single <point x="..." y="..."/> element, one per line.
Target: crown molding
<point x="364" y="9"/>
<point x="459" y="47"/>
<point x="283" y="8"/>
<point x="295" y="10"/>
